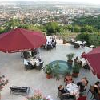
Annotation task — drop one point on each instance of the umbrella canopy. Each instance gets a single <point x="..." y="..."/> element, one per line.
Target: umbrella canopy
<point x="20" y="39"/>
<point x="93" y="58"/>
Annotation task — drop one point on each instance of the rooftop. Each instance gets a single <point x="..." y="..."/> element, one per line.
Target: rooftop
<point x="12" y="66"/>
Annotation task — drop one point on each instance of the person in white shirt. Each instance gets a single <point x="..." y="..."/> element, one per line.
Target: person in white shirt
<point x="26" y="62"/>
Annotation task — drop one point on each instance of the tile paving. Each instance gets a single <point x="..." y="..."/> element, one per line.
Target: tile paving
<point x="12" y="66"/>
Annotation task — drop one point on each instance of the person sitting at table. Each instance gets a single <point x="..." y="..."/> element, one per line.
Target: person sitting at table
<point x="28" y="64"/>
<point x="96" y="91"/>
<point x="68" y="79"/>
<point x="63" y="91"/>
<point x="39" y="58"/>
<point x="61" y="88"/>
<point x="48" y="45"/>
<point x="53" y="42"/>
<point x="26" y="54"/>
<point x="84" y="81"/>
<point x="82" y="85"/>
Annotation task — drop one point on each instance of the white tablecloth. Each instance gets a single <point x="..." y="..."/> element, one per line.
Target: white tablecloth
<point x="79" y="42"/>
<point x="33" y="61"/>
<point x="73" y="89"/>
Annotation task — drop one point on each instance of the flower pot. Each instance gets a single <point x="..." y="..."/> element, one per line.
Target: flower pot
<point x="75" y="75"/>
<point x="48" y="76"/>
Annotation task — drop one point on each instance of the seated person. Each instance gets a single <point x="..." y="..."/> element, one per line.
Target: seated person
<point x="53" y="42"/>
<point x="84" y="81"/>
<point x="96" y="87"/>
<point x="96" y="90"/>
<point x="49" y="45"/>
<point x="39" y="58"/>
<point x="82" y="85"/>
<point x="63" y="91"/>
<point x="68" y="79"/>
<point x="27" y="63"/>
<point x="26" y="54"/>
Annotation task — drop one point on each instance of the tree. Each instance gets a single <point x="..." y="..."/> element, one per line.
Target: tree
<point x="87" y="28"/>
<point x="84" y="37"/>
<point x="2" y="30"/>
<point x="52" y="27"/>
<point x="77" y="28"/>
<point x="69" y="28"/>
<point x="11" y="24"/>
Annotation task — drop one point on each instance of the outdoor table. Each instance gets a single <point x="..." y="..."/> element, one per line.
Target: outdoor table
<point x="79" y="42"/>
<point x="73" y="89"/>
<point x="34" y="61"/>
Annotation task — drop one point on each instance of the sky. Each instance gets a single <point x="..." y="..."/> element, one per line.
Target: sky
<point x="79" y="1"/>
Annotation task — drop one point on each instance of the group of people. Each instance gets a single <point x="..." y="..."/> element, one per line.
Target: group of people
<point x="28" y="54"/>
<point x="50" y="43"/>
<point x="73" y="89"/>
<point x="81" y="62"/>
<point x="32" y="59"/>
<point x="33" y="62"/>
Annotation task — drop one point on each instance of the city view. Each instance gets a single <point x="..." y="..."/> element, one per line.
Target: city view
<point x="49" y="50"/>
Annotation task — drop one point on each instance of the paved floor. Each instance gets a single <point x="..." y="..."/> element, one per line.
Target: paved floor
<point x="12" y="66"/>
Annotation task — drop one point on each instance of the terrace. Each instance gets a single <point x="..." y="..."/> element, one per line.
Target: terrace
<point x="12" y="66"/>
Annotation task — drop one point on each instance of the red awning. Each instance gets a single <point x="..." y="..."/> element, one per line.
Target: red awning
<point x="93" y="58"/>
<point x="21" y="39"/>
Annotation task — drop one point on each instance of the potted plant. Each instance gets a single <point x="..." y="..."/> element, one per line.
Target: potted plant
<point x="37" y="96"/>
<point x="75" y="70"/>
<point x="55" y="71"/>
<point x="69" y="58"/>
<point x="48" y="71"/>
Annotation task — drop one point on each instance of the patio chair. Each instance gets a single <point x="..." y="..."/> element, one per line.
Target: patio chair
<point x="54" y="44"/>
